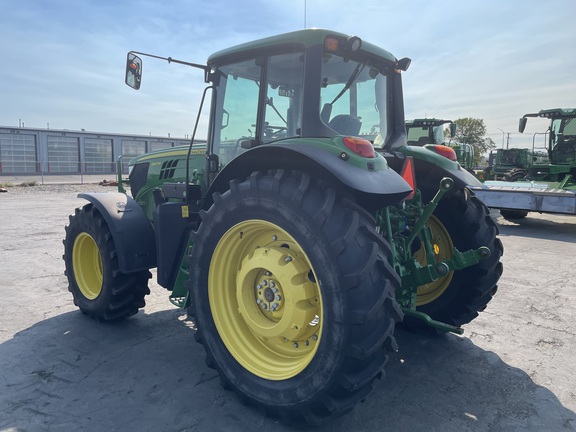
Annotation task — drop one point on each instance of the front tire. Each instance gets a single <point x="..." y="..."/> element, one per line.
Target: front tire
<point x="460" y="221"/>
<point x="293" y="296"/>
<point x="98" y="287"/>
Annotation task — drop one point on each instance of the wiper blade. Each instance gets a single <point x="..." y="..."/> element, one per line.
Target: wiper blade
<point x="359" y="68"/>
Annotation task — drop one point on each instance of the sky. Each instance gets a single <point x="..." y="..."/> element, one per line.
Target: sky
<point x="62" y="61"/>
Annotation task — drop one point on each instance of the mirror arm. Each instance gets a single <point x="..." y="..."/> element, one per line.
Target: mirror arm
<point x="205" y="68"/>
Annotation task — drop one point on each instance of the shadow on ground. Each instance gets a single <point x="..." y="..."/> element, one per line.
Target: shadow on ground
<point x="148" y="374"/>
<point x="540" y="227"/>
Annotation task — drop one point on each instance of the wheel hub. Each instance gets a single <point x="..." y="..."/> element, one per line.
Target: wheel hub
<point x="266" y="310"/>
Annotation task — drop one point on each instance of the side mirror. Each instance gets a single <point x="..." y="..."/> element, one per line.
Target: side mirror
<point x="522" y="124"/>
<point x="133" y="71"/>
<point x="403" y="64"/>
<point x="452" y="130"/>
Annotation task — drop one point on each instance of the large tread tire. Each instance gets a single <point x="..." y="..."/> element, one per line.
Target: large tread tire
<point x="468" y="224"/>
<point x="350" y="272"/>
<point x="98" y="287"/>
<point x="515" y="175"/>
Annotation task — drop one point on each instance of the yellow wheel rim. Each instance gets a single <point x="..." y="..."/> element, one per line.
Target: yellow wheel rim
<point x="443" y="247"/>
<point x="87" y="265"/>
<point x="264" y="299"/>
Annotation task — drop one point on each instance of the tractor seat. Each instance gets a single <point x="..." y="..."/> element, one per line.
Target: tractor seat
<point x="345" y="124"/>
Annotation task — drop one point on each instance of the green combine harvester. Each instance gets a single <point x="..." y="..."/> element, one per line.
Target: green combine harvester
<point x="300" y="234"/>
<point x="540" y="183"/>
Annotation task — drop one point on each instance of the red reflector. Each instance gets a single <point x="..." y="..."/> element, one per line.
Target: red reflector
<point x="409" y="175"/>
<point x="447" y="152"/>
<point x="360" y="146"/>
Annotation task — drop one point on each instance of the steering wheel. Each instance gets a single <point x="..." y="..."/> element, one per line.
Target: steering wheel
<point x="275" y="132"/>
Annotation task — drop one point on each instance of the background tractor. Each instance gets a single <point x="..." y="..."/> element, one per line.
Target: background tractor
<point x="509" y="164"/>
<point x="300" y="234"/>
<point x="429" y="133"/>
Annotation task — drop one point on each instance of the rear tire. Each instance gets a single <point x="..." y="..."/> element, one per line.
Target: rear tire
<point x="98" y="287"/>
<point x="462" y="221"/>
<point x="316" y="353"/>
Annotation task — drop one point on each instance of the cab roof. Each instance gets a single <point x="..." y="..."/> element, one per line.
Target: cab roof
<point x="302" y="39"/>
<point x="553" y="113"/>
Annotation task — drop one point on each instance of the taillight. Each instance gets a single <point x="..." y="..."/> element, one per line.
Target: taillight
<point x="360" y="146"/>
<point x="447" y="152"/>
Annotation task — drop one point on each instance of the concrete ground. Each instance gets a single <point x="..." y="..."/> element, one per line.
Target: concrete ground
<point x="512" y="370"/>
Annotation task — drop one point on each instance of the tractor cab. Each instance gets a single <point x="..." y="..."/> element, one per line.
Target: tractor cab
<point x="562" y="138"/>
<point x="428" y="131"/>
<point x="306" y="84"/>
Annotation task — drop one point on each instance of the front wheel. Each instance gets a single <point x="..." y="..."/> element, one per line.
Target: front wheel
<point x="293" y="296"/>
<point x="460" y="221"/>
<point x="98" y="287"/>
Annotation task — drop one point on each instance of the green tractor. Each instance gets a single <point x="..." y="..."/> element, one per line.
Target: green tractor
<point x="560" y="170"/>
<point x="429" y="133"/>
<point x="300" y="234"/>
<point x="509" y="164"/>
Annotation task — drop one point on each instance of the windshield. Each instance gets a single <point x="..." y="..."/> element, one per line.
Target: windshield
<point x="420" y="135"/>
<point x="353" y="99"/>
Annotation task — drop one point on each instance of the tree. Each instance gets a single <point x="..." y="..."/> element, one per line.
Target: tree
<point x="472" y="131"/>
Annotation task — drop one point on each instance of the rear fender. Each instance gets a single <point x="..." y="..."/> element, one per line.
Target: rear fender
<point x="131" y="230"/>
<point x="430" y="169"/>
<point x="371" y="188"/>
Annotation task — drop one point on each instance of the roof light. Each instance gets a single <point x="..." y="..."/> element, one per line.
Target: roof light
<point x="354" y="43"/>
<point x="331" y="44"/>
<point x="445" y="151"/>
<point x="360" y="146"/>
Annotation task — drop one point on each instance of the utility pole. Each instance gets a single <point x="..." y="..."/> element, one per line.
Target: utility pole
<point x="508" y="141"/>
<point x="502" y="136"/>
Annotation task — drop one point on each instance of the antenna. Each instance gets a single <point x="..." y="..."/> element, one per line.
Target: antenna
<point x="304" y="13"/>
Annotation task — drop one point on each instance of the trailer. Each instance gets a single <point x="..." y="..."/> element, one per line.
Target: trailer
<point x="516" y="199"/>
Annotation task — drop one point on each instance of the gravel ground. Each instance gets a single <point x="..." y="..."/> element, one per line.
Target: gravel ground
<point x="57" y="189"/>
<point x="512" y="370"/>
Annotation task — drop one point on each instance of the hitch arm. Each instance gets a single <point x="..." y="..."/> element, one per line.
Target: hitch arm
<point x="445" y="185"/>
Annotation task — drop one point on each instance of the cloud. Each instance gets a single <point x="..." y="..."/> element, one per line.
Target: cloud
<point x="64" y="62"/>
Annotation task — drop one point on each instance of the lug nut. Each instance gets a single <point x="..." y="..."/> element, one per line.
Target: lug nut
<point x="272" y="284"/>
<point x="274" y="238"/>
<point x="258" y="301"/>
<point x="288" y="259"/>
<point x="314" y="337"/>
<point x="295" y="344"/>
<point x="268" y="273"/>
<point x="264" y="306"/>
<point x="278" y="297"/>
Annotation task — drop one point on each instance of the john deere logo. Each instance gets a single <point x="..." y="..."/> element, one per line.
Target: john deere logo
<point x="168" y="168"/>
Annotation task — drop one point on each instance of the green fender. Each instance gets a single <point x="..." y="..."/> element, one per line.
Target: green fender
<point x="371" y="188"/>
<point x="131" y="230"/>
